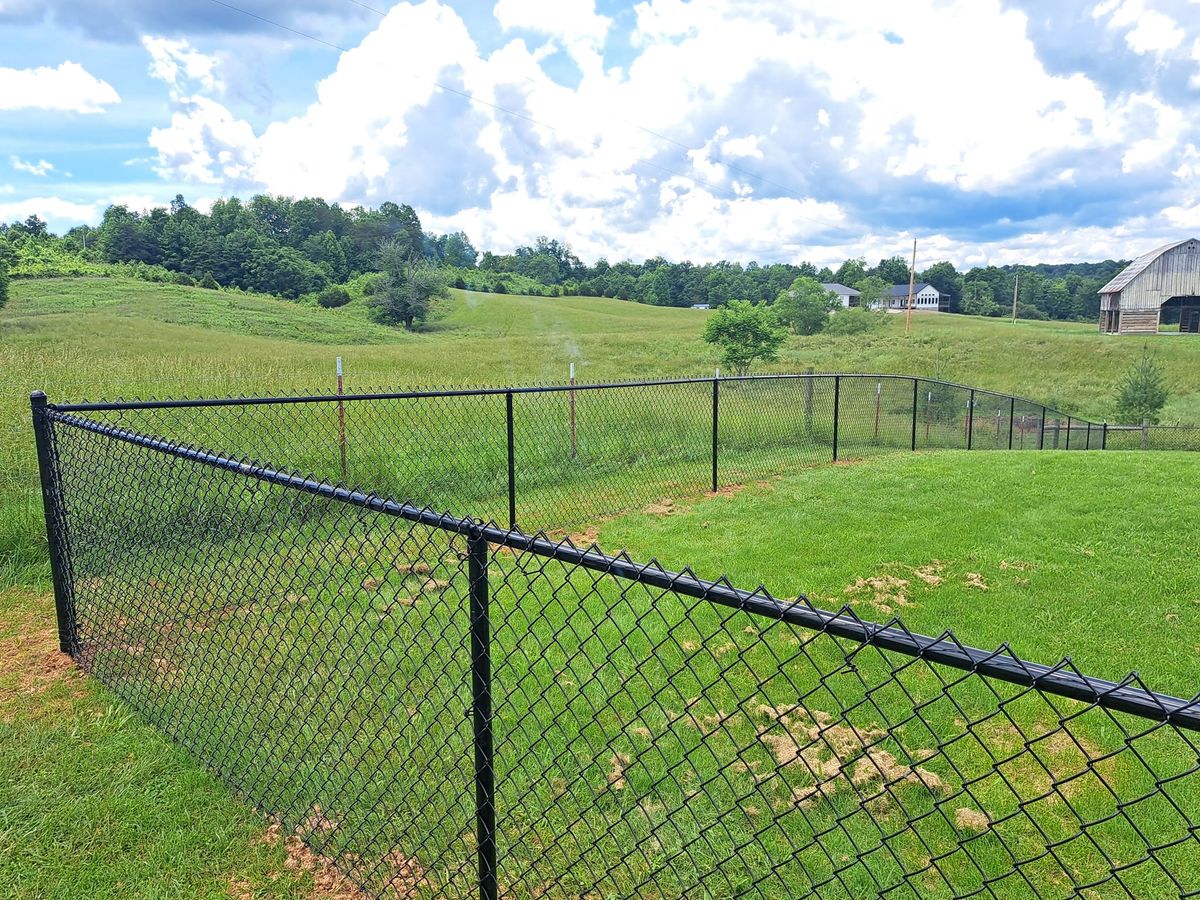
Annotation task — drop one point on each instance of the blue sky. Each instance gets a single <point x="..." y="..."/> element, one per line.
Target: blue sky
<point x="989" y="131"/>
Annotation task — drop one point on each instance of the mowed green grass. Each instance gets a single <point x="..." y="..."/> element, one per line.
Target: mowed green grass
<point x="96" y="803"/>
<point x="354" y="662"/>
<point x="1086" y="555"/>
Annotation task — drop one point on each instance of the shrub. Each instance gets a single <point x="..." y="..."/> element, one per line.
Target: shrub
<point x="856" y="320"/>
<point x="333" y="297"/>
<point x="209" y="282"/>
<point x="184" y="279"/>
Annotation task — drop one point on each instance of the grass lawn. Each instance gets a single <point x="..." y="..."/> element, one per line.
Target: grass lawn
<point x="96" y="803"/>
<point x="629" y="718"/>
<point x="1079" y="554"/>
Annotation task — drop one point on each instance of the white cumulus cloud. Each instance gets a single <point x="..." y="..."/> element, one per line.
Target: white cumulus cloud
<point x="66" y="88"/>
<point x="38" y="169"/>
<point x="178" y="64"/>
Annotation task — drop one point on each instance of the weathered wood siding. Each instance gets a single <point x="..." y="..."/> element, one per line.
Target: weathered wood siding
<point x="1139" y="321"/>
<point x="1174" y="274"/>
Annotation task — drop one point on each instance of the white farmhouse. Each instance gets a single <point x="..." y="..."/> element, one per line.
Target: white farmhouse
<point x="925" y="297"/>
<point x="847" y="296"/>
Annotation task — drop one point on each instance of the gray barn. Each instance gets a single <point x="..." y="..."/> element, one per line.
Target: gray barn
<point x="1159" y="287"/>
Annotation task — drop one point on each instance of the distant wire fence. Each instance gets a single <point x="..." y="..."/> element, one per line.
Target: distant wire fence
<point x="558" y="456"/>
<point x="445" y="707"/>
<point x="765" y="425"/>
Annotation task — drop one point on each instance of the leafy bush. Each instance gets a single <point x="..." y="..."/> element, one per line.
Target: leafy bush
<point x="209" y="282"/>
<point x="333" y="297"/>
<point x="856" y="320"/>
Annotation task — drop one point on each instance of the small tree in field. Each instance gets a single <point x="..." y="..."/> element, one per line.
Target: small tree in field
<point x="745" y="333"/>
<point x="1142" y="393"/>
<point x="405" y="293"/>
<point x="870" y="292"/>
<point x="805" y="306"/>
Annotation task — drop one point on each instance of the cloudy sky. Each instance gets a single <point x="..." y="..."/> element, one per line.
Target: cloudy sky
<point x="991" y="130"/>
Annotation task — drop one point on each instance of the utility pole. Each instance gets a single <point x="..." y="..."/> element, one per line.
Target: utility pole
<point x="912" y="277"/>
<point x="1016" y="286"/>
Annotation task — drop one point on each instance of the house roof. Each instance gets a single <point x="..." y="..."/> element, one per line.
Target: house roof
<point x="1138" y="266"/>
<point x="840" y="289"/>
<point x="901" y="290"/>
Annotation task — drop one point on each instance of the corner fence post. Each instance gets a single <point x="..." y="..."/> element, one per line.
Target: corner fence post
<point x="1088" y="443"/>
<point x="914" y="419"/>
<point x="481" y="714"/>
<point x="64" y="605"/>
<point x="971" y="420"/>
<point x="716" y="410"/>
<point x="837" y="397"/>
<point x="512" y="463"/>
<point x="1042" y="431"/>
<point x="1012" y="412"/>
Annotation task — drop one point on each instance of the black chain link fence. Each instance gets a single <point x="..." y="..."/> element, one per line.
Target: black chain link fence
<point x="554" y="457"/>
<point x="443" y="707"/>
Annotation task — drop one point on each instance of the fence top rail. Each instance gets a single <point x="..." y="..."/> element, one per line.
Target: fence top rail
<point x="108" y="405"/>
<point x="1129" y="695"/>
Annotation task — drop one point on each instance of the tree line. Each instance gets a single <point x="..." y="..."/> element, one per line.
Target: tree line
<point x="294" y="247"/>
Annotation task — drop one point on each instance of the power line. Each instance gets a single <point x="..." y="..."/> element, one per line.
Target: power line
<point x="530" y="119"/>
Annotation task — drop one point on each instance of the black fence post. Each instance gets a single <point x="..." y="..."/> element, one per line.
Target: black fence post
<point x="914" y="421"/>
<point x="837" y="397"/>
<point x="481" y="715"/>
<point x="716" y="407"/>
<point x="52" y="508"/>
<point x="1042" y="431"/>
<point x="1087" y="445"/>
<point x="512" y="463"/>
<point x="1104" y="437"/>
<point x="1012" y="412"/>
<point x="971" y="420"/>
<point x="1068" y="432"/>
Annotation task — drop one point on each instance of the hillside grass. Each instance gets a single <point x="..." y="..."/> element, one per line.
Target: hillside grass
<point x="111" y="337"/>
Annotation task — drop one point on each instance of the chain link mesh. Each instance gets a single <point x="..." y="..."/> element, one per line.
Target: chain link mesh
<point x="650" y="734"/>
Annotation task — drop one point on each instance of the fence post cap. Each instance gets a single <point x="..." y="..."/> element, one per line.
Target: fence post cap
<point x="38" y="398"/>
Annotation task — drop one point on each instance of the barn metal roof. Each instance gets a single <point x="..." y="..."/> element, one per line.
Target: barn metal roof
<point x="1138" y="266"/>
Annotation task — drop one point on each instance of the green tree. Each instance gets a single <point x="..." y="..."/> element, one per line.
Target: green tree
<point x="851" y="272"/>
<point x="978" y="300"/>
<point x="1142" y="392"/>
<point x="745" y="333"/>
<point x="804" y="307"/>
<point x="948" y="281"/>
<point x="407" y="290"/>
<point x="871" y="290"/>
<point x="892" y="271"/>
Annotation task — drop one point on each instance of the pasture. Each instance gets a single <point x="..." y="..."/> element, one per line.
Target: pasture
<point x="1051" y="552"/>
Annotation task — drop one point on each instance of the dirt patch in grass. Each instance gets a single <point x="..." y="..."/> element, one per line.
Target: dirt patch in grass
<point x="884" y="593"/>
<point x="32" y="663"/>
<point x="328" y="881"/>
<point x="975" y="580"/>
<point x="664" y="507"/>
<point x="967" y="819"/>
